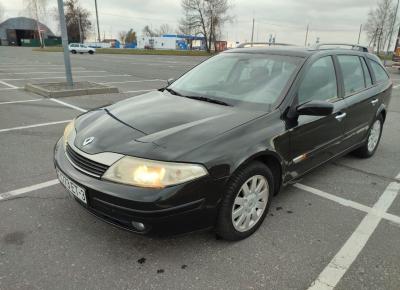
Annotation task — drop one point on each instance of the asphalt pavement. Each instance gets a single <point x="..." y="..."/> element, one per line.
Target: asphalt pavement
<point x="342" y="220"/>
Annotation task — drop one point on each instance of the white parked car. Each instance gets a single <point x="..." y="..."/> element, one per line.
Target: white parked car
<point x="81" y="48"/>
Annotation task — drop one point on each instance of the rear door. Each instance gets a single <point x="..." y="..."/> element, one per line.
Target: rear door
<point x="361" y="101"/>
<point x="316" y="139"/>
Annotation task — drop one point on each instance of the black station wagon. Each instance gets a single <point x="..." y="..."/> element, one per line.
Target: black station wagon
<point x="212" y="148"/>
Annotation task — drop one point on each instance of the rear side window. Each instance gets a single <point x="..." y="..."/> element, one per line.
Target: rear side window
<point x="353" y="75"/>
<point x="379" y="72"/>
<point x="319" y="82"/>
<point x="367" y="75"/>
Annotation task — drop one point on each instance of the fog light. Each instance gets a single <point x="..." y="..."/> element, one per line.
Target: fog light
<point x="138" y="226"/>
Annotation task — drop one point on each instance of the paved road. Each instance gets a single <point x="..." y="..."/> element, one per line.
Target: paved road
<point x="313" y="230"/>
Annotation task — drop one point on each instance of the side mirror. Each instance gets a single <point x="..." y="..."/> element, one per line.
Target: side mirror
<point x="170" y="81"/>
<point x="315" y="108"/>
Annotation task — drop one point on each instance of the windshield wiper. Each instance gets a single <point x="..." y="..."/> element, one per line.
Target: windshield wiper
<point x="172" y="91"/>
<point x="209" y="100"/>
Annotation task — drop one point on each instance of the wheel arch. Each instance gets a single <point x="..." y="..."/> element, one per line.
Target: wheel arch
<point x="382" y="111"/>
<point x="270" y="159"/>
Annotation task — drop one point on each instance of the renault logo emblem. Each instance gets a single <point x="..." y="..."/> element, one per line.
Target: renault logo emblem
<point x="87" y="141"/>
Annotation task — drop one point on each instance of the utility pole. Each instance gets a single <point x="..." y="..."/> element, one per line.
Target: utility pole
<point x="391" y="30"/>
<point x="97" y="19"/>
<point x="305" y="41"/>
<point x="252" y="33"/>
<point x="359" y="34"/>
<point x="64" y="37"/>
<point x="80" y="27"/>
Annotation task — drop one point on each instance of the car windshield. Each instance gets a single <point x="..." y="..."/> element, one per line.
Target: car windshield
<point x="239" y="79"/>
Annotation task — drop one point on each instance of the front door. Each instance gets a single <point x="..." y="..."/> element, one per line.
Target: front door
<point x="316" y="139"/>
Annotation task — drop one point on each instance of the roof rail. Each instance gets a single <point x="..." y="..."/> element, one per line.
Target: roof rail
<point x="262" y="44"/>
<point x="340" y="45"/>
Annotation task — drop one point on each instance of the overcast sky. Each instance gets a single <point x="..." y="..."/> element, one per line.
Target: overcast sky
<point x="330" y="20"/>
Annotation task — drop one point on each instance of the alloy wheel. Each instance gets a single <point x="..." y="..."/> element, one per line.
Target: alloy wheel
<point x="250" y="203"/>
<point x="374" y="135"/>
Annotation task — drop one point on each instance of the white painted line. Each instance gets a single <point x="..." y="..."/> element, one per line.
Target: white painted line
<point x="8" y="85"/>
<point x="103" y="76"/>
<point x="51" y="72"/>
<point x="24" y="101"/>
<point x="68" y="105"/>
<point x="137" y="81"/>
<point x="334" y="271"/>
<point x="398" y="176"/>
<point x="349" y="203"/>
<point x="8" y="89"/>
<point x="139" y="91"/>
<point x="33" y="126"/>
<point x="395" y="87"/>
<point x="27" y="189"/>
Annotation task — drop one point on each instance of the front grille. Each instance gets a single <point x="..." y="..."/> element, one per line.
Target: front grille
<point x="84" y="164"/>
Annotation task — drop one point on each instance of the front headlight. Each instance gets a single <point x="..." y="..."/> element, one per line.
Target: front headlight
<point x="67" y="131"/>
<point x="148" y="173"/>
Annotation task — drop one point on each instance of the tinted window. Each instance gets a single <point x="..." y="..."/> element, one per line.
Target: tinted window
<point x="319" y="82"/>
<point x="353" y="75"/>
<point x="380" y="73"/>
<point x="368" y="79"/>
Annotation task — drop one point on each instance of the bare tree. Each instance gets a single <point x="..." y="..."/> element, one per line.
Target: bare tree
<point x="37" y="9"/>
<point x="379" y="23"/>
<point x="147" y="31"/>
<point x="164" y="29"/>
<point x="122" y="36"/>
<point x="204" y="17"/>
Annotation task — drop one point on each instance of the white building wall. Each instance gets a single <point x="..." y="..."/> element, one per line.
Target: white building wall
<point x="158" y="42"/>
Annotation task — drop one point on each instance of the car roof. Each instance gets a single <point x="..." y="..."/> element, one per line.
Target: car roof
<point x="298" y="51"/>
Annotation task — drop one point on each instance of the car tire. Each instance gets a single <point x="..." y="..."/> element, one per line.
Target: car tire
<point x="73" y="51"/>
<point x="369" y="147"/>
<point x="91" y="51"/>
<point x="241" y="213"/>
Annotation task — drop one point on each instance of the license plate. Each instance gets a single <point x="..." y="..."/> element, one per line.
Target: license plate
<point x="72" y="187"/>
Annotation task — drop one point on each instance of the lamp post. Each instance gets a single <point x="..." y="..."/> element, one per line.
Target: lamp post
<point x="64" y="38"/>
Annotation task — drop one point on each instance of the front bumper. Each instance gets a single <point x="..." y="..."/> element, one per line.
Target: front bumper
<point x="172" y="210"/>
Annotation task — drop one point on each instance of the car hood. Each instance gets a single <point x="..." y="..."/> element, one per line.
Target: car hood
<point x="157" y="125"/>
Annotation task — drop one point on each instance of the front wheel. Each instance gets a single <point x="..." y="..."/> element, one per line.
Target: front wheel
<point x="91" y="51"/>
<point x="368" y="149"/>
<point x="73" y="51"/>
<point x="246" y="202"/>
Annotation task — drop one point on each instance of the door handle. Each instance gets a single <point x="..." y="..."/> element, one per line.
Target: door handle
<point x="374" y="102"/>
<point x="340" y="116"/>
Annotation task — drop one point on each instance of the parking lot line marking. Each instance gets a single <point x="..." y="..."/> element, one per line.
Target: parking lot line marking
<point x="68" y="105"/>
<point x="50" y="72"/>
<point x="28" y="189"/>
<point x="138" y="91"/>
<point x="7" y="89"/>
<point x="137" y="81"/>
<point x="349" y="203"/>
<point x="334" y="271"/>
<point x="33" y="126"/>
<point x="103" y="76"/>
<point x="23" y="101"/>
<point x="8" y="85"/>
<point x="395" y="87"/>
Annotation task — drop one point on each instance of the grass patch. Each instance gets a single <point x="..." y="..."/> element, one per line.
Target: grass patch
<point x="132" y="51"/>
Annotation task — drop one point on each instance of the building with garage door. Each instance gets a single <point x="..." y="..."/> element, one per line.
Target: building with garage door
<point x="23" y="31"/>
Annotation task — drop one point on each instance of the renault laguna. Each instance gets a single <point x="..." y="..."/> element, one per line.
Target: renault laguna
<point x="212" y="148"/>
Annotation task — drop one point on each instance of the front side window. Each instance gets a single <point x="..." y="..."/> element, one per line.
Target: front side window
<point x="240" y="79"/>
<point x="353" y="75"/>
<point x="379" y="72"/>
<point x="319" y="82"/>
